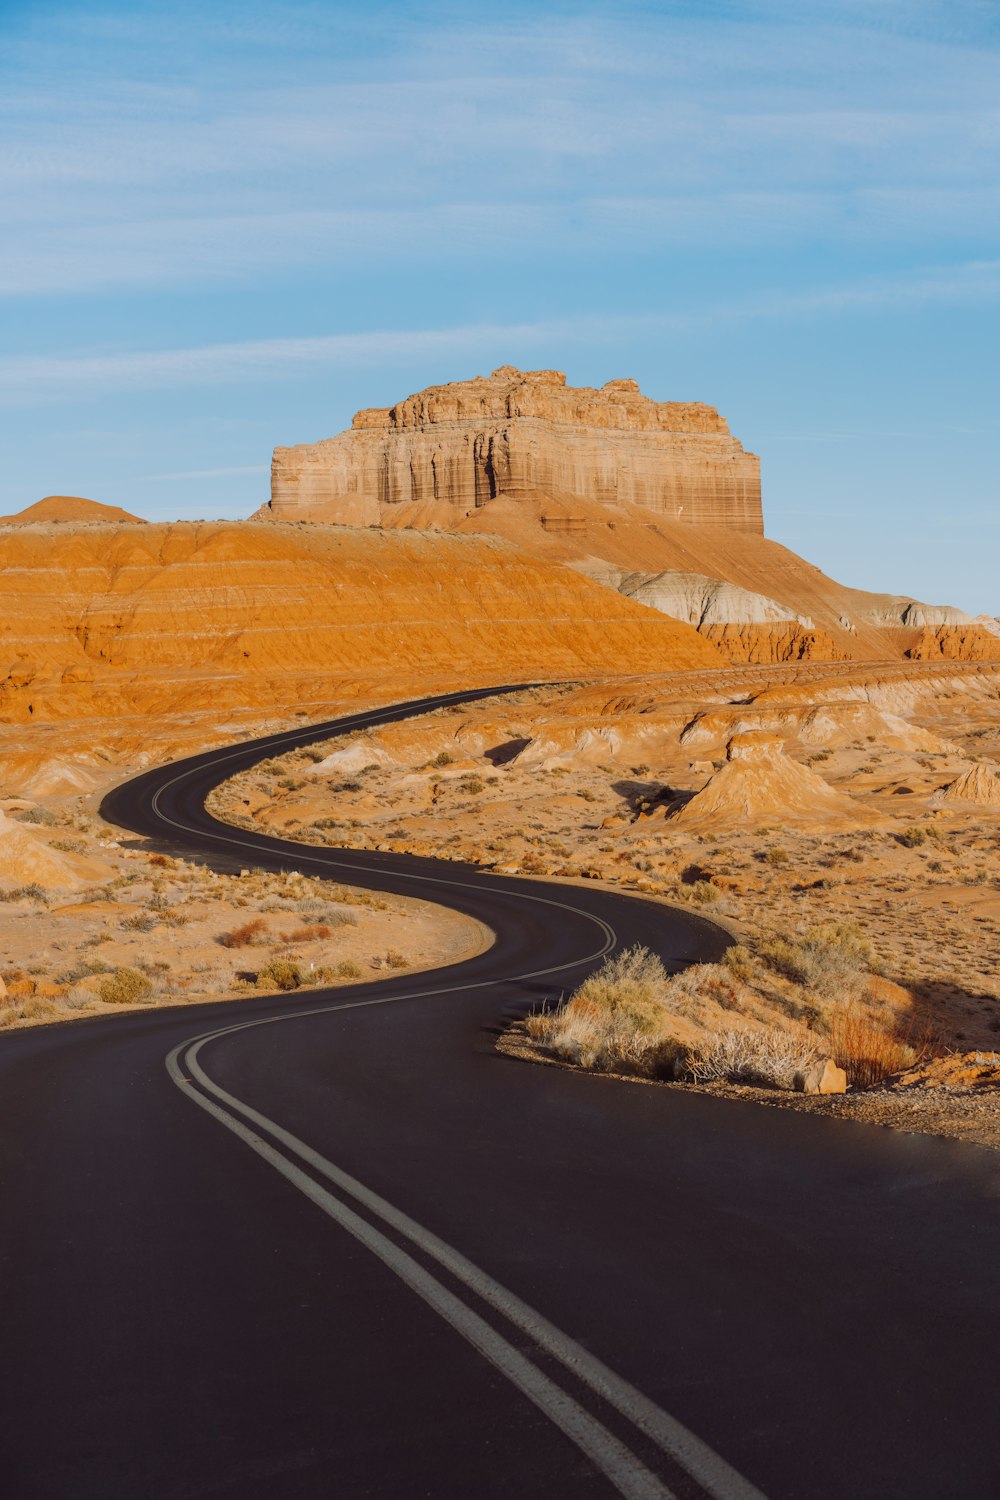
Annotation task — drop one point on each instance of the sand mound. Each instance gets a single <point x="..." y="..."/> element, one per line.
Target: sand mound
<point x="760" y="784"/>
<point x="67" y="508"/>
<point x="26" y="859"/>
<point x="980" y="785"/>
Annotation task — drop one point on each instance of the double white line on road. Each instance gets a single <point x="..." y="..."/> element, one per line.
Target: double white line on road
<point x="289" y="1156"/>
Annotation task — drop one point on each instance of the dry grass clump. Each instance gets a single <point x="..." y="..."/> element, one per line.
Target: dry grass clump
<point x="28" y="1008"/>
<point x="247" y="936"/>
<point x="126" y="986"/>
<point x="867" y="1051"/>
<point x="25" y="893"/>
<point x="831" y="958"/>
<point x="770" y="1058"/>
<point x="616" y="1019"/>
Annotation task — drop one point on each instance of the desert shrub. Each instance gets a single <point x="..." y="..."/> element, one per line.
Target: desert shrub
<point x="396" y="960"/>
<point x="866" y="1051"/>
<point x="311" y="753"/>
<point x="913" y="837"/>
<point x="828" y="958"/>
<point x="441" y="759"/>
<point x="163" y="861"/>
<point x="770" y="1057"/>
<point x="473" y="784"/>
<point x="125" y="987"/>
<point x="777" y="856"/>
<point x="68" y="846"/>
<point x="309" y="934"/>
<point x="246" y="936"/>
<point x="739" y="960"/>
<point x="84" y="970"/>
<point x="38" y="815"/>
<point x="347" y="969"/>
<point x="139" y="921"/>
<point x="283" y="973"/>
<point x="617" y="1017"/>
<point x="25" y="893"/>
<point x="30" y="1008"/>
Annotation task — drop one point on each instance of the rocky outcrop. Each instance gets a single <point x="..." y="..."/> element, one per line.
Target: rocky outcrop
<point x="519" y="434"/>
<point x="705" y="601"/>
<point x="106" y="619"/>
<point x="761" y="645"/>
<point x="759" y="783"/>
<point x="979" y="786"/>
<point x="953" y="643"/>
<point x="912" y="614"/>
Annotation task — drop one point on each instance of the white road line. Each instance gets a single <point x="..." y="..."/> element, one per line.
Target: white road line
<point x="718" y="1478"/>
<point x="627" y="1473"/>
<point x="629" y="1476"/>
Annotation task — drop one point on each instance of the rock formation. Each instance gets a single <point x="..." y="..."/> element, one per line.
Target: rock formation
<point x="67" y="508"/>
<point x="656" y="498"/>
<point x="520" y="434"/>
<point x="979" y="786"/>
<point x="760" y="783"/>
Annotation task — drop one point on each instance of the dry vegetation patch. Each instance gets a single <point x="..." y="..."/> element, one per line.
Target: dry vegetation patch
<point x="160" y="930"/>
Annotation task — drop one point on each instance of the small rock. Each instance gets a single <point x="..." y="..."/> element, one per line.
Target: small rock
<point x="824" y="1078"/>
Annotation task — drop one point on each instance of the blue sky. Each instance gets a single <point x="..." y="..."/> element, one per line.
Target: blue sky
<point x="229" y="226"/>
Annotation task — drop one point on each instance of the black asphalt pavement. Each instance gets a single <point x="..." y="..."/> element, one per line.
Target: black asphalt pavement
<point x="343" y="1248"/>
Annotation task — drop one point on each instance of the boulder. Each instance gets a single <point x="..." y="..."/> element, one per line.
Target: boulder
<point x="823" y="1078"/>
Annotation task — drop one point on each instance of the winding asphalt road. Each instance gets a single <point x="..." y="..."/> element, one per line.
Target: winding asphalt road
<point x="336" y="1246"/>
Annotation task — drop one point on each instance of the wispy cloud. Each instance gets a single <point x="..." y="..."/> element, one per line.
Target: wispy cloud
<point x="33" y="377"/>
<point x="229" y="473"/>
<point x="322" y="138"/>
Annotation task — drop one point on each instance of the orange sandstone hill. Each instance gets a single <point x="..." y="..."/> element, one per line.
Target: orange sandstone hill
<point x="189" y="615"/>
<point x="655" y="499"/>
<point x="67" y="508"/>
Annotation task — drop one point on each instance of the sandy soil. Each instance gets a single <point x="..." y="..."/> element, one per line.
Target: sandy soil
<point x="190" y="934"/>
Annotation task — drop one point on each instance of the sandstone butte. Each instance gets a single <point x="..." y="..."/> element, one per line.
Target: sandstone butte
<point x="67" y="508"/>
<point x="119" y="618"/>
<point x="656" y="499"/>
<point x="518" y="434"/>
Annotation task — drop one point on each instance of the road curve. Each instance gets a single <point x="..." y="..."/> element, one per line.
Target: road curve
<point x="337" y="1246"/>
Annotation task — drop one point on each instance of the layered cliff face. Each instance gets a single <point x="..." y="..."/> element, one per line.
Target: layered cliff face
<point x="517" y="434"/>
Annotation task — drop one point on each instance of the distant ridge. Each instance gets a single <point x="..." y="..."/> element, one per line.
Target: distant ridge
<point x="67" y="508"/>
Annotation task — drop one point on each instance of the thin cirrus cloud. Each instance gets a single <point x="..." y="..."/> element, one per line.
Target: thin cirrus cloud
<point x="869" y="125"/>
<point x="26" y="378"/>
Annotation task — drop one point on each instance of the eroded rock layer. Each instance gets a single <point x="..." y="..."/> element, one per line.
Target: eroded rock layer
<point x="155" y="618"/>
<point x="516" y="434"/>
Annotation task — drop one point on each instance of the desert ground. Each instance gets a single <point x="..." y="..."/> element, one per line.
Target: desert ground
<point x="841" y="825"/>
<point x="91" y="924"/>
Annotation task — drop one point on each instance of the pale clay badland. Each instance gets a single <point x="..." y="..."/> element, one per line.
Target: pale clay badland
<point x="816" y="767"/>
